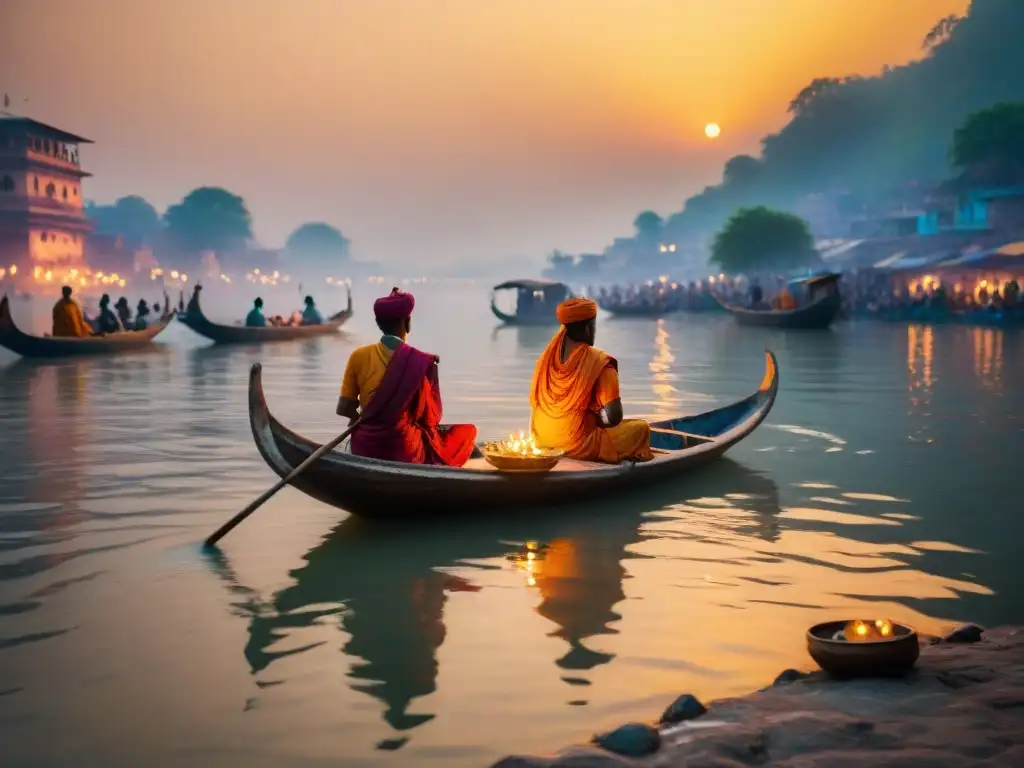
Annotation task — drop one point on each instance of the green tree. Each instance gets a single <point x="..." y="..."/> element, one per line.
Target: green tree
<point x="560" y="260"/>
<point x="741" y="170"/>
<point x="209" y="218"/>
<point x="873" y="136"/>
<point x="989" y="146"/>
<point x="817" y="87"/>
<point x="132" y="218"/>
<point x="562" y="265"/>
<point x="758" y="239"/>
<point x="941" y="32"/>
<point x="648" y="225"/>
<point x="318" y="242"/>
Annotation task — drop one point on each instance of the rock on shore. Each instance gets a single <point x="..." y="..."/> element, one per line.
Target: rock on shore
<point x="963" y="705"/>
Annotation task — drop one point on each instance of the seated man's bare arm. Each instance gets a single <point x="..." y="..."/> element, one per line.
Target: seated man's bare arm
<point x="610" y="415"/>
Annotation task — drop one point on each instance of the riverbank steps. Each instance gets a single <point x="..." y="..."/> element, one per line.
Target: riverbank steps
<point x="962" y="705"/>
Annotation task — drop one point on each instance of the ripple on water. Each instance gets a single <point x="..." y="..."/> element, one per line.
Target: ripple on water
<point x="364" y="643"/>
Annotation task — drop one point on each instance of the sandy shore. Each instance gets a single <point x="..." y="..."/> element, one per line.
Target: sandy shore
<point x="963" y="705"/>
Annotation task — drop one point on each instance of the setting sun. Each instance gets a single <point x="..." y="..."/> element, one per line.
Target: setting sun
<point x="711" y="130"/>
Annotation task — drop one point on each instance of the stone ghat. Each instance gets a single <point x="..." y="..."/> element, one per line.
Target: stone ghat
<point x="963" y="705"/>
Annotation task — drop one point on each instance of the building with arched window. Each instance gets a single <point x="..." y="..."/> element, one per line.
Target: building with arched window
<point x="43" y="226"/>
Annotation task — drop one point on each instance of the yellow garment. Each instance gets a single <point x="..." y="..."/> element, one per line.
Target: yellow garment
<point x="68" y="319"/>
<point x="564" y="396"/>
<point x="364" y="372"/>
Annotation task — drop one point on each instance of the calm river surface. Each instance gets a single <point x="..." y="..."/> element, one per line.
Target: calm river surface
<point x="885" y="482"/>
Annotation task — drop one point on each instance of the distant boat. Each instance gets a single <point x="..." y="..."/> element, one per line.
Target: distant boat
<point x="26" y="345"/>
<point x="823" y="308"/>
<point x="536" y="301"/>
<point x="194" y="318"/>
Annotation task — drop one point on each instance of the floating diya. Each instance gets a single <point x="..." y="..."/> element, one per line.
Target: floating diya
<point x="864" y="647"/>
<point x="520" y="454"/>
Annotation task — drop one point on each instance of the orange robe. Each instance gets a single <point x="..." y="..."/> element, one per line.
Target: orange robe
<point x="68" y="319"/>
<point x="564" y="397"/>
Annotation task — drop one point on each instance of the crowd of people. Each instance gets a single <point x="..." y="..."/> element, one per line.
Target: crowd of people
<point x="70" y="320"/>
<point x="661" y="296"/>
<point x="772" y="292"/>
<point x="874" y="293"/>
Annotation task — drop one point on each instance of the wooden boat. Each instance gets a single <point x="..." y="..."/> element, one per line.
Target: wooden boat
<point x="823" y="308"/>
<point x="374" y="488"/>
<point x="194" y="318"/>
<point x="27" y="345"/>
<point x="536" y="301"/>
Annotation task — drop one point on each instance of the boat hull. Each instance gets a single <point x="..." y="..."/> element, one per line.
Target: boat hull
<point x="819" y="314"/>
<point x="194" y="318"/>
<point x="535" y="320"/>
<point x="383" y="489"/>
<point x="48" y="347"/>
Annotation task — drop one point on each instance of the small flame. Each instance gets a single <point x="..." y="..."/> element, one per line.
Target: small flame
<point x="523" y="445"/>
<point x="867" y="631"/>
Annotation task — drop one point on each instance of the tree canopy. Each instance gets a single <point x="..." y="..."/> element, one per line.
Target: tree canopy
<point x="870" y="136"/>
<point x="132" y="218"/>
<point x="648" y="225"/>
<point x="318" y="241"/>
<point x="760" y="239"/>
<point x="989" y="146"/>
<point x="209" y="218"/>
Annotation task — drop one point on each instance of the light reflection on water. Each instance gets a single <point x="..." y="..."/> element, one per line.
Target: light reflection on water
<point x="883" y="483"/>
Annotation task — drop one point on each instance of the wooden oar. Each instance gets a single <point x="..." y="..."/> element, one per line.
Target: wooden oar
<point x="225" y="529"/>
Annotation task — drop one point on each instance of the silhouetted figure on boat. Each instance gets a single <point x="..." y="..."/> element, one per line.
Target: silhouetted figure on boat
<point x="68" y="319"/>
<point x="255" y="318"/>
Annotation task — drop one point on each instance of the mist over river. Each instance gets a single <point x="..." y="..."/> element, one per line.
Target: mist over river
<point x="886" y="481"/>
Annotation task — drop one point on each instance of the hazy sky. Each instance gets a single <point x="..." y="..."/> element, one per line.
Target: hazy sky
<point x="438" y="130"/>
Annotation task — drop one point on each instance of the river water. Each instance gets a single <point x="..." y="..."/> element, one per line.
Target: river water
<point x="885" y="482"/>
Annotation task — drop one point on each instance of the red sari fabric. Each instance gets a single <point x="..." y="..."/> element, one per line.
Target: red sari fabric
<point x="403" y="420"/>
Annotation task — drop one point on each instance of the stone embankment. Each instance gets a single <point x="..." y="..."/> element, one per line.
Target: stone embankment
<point x="963" y="705"/>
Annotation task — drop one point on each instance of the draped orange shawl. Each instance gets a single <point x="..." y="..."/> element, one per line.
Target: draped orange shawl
<point x="560" y="394"/>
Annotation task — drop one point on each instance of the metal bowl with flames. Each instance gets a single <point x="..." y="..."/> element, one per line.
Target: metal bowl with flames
<point x="864" y="648"/>
<point x="520" y="454"/>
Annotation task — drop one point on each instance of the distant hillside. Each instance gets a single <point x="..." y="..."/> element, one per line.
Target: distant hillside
<point x="869" y="135"/>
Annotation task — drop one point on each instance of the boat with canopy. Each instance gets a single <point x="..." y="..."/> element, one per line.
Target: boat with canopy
<point x="536" y="301"/>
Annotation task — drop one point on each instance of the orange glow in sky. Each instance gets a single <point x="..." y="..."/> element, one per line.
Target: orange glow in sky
<point x="435" y="131"/>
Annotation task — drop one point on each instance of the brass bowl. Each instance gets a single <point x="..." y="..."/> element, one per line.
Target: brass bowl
<point x="888" y="657"/>
<point x="506" y="462"/>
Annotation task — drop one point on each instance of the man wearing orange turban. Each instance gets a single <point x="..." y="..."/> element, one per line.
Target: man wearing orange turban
<point x="394" y="389"/>
<point x="575" y="398"/>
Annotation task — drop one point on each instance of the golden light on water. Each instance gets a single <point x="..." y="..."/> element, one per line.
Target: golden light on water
<point x="712" y="131"/>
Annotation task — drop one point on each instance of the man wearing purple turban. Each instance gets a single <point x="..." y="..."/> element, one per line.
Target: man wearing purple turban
<point x="394" y="388"/>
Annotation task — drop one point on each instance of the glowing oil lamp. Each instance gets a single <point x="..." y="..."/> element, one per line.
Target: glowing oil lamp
<point x="520" y="453"/>
<point x="863" y="647"/>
